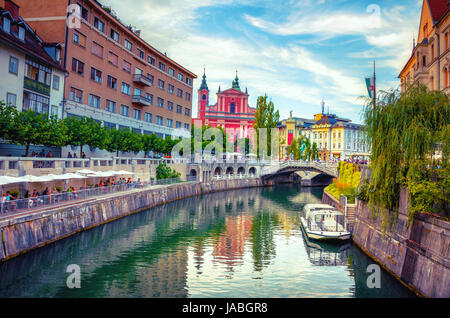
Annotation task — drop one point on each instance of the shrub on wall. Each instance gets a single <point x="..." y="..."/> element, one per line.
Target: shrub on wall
<point x="347" y="183"/>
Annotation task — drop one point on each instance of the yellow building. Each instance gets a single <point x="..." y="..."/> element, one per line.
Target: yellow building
<point x="429" y="63"/>
<point x="290" y="129"/>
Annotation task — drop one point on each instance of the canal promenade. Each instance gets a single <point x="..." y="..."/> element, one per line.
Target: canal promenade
<point x="26" y="231"/>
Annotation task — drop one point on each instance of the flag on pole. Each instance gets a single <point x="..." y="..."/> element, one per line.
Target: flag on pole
<point x="370" y="82"/>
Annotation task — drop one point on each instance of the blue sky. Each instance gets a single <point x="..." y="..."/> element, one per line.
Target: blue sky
<point x="297" y="52"/>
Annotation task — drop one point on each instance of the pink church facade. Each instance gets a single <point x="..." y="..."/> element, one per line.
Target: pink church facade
<point x="231" y="111"/>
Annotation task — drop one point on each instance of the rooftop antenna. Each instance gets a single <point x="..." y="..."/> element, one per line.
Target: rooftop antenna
<point x="323" y="107"/>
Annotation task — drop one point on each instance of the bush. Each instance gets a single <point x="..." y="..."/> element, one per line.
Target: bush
<point x="165" y="172"/>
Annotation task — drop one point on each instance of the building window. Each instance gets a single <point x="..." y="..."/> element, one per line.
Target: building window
<point x="77" y="66"/>
<point x="171" y="72"/>
<point x="22" y="33"/>
<point x="125" y="110"/>
<point x="149" y="97"/>
<point x="113" y="59"/>
<point x="11" y="99"/>
<point x="94" y="101"/>
<point x="76" y="95"/>
<point x="159" y="120"/>
<point x="112" y="82"/>
<point x="13" y="65"/>
<point x="126" y="66"/>
<point x="114" y="35"/>
<point x="162" y="66"/>
<point x="110" y="106"/>
<point x="99" y="24"/>
<point x="179" y="109"/>
<point x="178" y="124"/>
<point x="180" y="76"/>
<point x="137" y="71"/>
<point x="79" y="38"/>
<point x="141" y="54"/>
<point x="161" y="84"/>
<point x="36" y="103"/>
<point x="96" y="75"/>
<point x="188" y="81"/>
<point x="137" y="114"/>
<point x="233" y="110"/>
<point x="170" y="106"/>
<point x="97" y="49"/>
<point x="84" y="12"/>
<point x="151" y="78"/>
<point x="128" y="45"/>
<point x="432" y="51"/>
<point x="179" y="92"/>
<point x="186" y="126"/>
<point x="424" y="60"/>
<point x="56" y="82"/>
<point x="148" y="117"/>
<point x="169" y="122"/>
<point x="38" y="72"/>
<point x="187" y="112"/>
<point x="151" y="60"/>
<point x="125" y="88"/>
<point x="188" y="97"/>
<point x="6" y="25"/>
<point x="170" y="88"/>
<point x="160" y="102"/>
<point x="137" y="92"/>
<point x="54" y="111"/>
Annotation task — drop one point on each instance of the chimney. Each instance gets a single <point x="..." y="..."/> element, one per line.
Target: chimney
<point x="12" y="8"/>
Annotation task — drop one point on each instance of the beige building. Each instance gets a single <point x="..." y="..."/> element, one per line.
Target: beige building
<point x="429" y="63"/>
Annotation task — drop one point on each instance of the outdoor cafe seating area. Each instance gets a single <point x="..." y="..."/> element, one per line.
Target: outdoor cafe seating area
<point x="32" y="192"/>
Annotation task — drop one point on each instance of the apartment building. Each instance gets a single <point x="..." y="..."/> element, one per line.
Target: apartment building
<point x="115" y="76"/>
<point x="429" y="62"/>
<point x="337" y="138"/>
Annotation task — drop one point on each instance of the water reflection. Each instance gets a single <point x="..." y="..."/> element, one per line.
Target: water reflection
<point x="245" y="243"/>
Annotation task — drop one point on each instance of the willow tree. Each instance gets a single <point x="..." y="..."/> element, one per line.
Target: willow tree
<point x="409" y="135"/>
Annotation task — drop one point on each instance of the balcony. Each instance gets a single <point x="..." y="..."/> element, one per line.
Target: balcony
<point x="142" y="80"/>
<point x="141" y="100"/>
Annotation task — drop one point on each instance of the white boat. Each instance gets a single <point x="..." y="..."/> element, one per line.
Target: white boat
<point x="323" y="222"/>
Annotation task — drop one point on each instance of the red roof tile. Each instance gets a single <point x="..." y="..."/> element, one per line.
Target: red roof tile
<point x="438" y="9"/>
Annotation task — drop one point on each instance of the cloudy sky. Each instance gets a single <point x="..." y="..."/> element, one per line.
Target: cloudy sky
<point x="298" y="52"/>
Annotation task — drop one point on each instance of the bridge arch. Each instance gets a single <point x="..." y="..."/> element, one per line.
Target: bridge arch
<point x="218" y="172"/>
<point x="241" y="171"/>
<point x="230" y="171"/>
<point x="252" y="171"/>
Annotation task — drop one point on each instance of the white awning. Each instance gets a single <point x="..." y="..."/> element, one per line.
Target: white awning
<point x="9" y="180"/>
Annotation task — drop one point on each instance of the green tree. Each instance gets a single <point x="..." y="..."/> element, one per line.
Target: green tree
<point x="85" y="131"/>
<point x="265" y="117"/>
<point x="409" y="135"/>
<point x="7" y="115"/>
<point x="31" y="128"/>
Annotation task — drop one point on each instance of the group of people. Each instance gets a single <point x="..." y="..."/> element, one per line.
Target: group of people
<point x="42" y="154"/>
<point x="82" y="155"/>
<point x="122" y="181"/>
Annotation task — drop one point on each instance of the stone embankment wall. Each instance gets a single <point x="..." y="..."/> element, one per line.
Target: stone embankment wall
<point x="418" y="254"/>
<point x="25" y="232"/>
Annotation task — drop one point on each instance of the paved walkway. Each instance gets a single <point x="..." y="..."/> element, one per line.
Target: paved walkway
<point x="42" y="208"/>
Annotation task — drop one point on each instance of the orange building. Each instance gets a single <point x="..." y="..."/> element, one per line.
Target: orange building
<point x="429" y="63"/>
<point x="115" y="76"/>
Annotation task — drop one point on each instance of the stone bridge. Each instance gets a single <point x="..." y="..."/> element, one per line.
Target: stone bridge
<point x="310" y="173"/>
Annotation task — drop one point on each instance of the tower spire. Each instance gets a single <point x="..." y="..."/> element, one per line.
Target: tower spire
<point x="236" y="82"/>
<point x="204" y="85"/>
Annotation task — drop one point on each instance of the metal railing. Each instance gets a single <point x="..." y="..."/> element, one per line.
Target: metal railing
<point x="58" y="198"/>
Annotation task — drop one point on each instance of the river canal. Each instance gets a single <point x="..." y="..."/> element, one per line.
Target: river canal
<point x="244" y="243"/>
